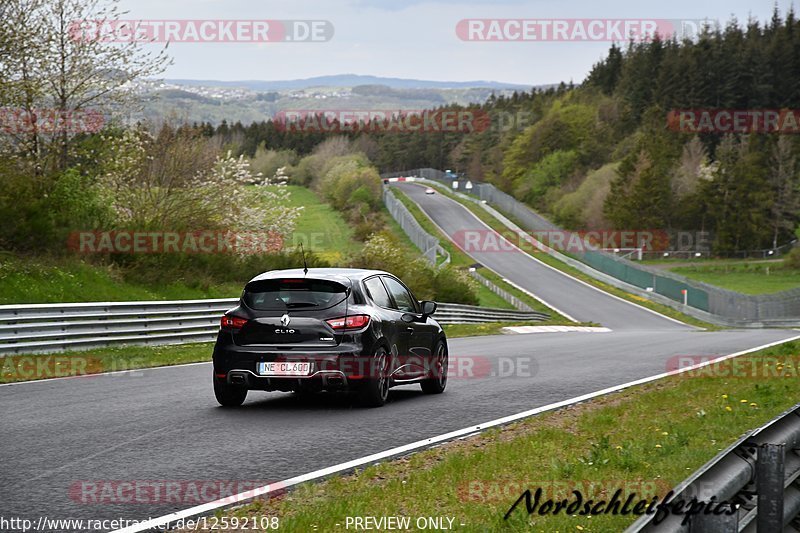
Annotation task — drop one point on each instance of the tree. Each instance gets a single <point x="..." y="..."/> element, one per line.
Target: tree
<point x="55" y="66"/>
<point x="690" y="169"/>
<point x="605" y="74"/>
<point x="784" y="184"/>
<point x="736" y="196"/>
<point x="22" y="84"/>
<point x="642" y="195"/>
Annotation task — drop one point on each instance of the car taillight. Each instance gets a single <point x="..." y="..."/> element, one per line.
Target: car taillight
<point x="350" y="322"/>
<point x="232" y="322"/>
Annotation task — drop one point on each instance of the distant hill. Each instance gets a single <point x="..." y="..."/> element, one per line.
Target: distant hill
<point x="350" y="80"/>
<point x="247" y="101"/>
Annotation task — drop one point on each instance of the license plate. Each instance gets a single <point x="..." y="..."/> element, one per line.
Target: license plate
<point x="286" y="368"/>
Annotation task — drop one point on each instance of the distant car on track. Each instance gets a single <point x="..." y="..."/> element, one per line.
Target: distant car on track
<point x="430" y="191"/>
<point x="328" y="329"/>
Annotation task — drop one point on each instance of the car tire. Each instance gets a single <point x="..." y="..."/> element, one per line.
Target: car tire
<point x="229" y="395"/>
<point x="438" y="382"/>
<point x="375" y="392"/>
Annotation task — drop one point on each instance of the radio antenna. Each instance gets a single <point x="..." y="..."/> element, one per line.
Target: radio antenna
<point x="305" y="265"/>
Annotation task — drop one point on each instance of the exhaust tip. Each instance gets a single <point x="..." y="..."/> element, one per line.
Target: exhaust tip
<point x="335" y="381"/>
<point x="237" y="379"/>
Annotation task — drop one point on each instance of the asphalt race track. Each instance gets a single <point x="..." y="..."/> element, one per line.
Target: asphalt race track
<point x="165" y="425"/>
<point x="576" y="299"/>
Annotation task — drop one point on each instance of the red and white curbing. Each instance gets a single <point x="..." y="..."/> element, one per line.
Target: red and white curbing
<point x="406" y="178"/>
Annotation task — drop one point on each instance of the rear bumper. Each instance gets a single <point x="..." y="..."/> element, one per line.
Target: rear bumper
<point x="322" y="380"/>
<point x="340" y="367"/>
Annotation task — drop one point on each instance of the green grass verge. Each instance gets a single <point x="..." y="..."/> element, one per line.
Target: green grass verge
<point x="645" y="439"/>
<point x="69" y="279"/>
<point x="748" y="278"/>
<point x="498" y="226"/>
<point x="671" y="262"/>
<point x="320" y="227"/>
<point x="15" y="368"/>
<point x="454" y="331"/>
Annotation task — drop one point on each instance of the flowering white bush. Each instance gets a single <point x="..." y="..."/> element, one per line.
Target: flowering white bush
<point x="179" y="182"/>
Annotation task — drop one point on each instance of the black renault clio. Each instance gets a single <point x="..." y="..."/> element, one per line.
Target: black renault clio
<point x="328" y="329"/>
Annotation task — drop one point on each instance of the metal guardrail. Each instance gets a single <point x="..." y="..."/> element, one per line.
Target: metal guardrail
<point x="504" y="294"/>
<point x="46" y="328"/>
<point x="759" y="474"/>
<point x="427" y="243"/>
<point x="462" y="314"/>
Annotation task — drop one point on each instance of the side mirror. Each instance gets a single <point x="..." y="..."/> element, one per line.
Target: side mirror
<point x="428" y="308"/>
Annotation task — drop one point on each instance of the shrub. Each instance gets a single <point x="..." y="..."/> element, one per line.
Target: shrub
<point x="454" y="286"/>
<point x="26" y="223"/>
<point x="445" y="284"/>
<point x="267" y="162"/>
<point x="40" y="210"/>
<point x="792" y="259"/>
<point x="77" y="202"/>
<point x="179" y="181"/>
<point x="351" y="185"/>
<point x="583" y="207"/>
<point x="552" y="171"/>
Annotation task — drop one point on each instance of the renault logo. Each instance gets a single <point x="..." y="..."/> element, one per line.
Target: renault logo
<point x="285" y="320"/>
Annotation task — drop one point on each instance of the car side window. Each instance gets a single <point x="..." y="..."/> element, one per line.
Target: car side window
<point x="378" y="292"/>
<point x="404" y="300"/>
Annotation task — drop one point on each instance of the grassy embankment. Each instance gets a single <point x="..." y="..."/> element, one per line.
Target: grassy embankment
<point x="754" y="276"/>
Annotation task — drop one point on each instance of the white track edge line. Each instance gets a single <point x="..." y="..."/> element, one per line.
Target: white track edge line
<point x="317" y="474"/>
<point x="448" y="237"/>
<point x="542" y="300"/>
<point x="558" y="270"/>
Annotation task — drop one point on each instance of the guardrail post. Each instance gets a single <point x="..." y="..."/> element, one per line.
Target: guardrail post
<point x="769" y="487"/>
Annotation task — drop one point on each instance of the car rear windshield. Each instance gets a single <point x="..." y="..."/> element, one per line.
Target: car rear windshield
<point x="280" y="294"/>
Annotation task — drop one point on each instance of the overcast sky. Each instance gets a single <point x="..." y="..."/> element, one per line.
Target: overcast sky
<point x="413" y="38"/>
